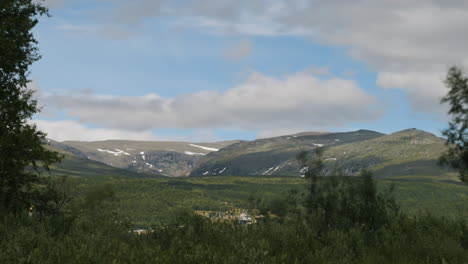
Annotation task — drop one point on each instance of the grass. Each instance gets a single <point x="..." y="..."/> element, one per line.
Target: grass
<point x="444" y="198"/>
<point x="147" y="201"/>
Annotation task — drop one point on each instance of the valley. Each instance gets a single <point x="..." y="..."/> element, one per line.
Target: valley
<point x="262" y="170"/>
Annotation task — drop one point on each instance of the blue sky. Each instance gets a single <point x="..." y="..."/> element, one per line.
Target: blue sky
<point x="216" y="70"/>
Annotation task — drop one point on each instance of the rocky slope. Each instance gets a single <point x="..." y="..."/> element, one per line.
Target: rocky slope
<point x="402" y="153"/>
<point x="158" y="158"/>
<point x="74" y="165"/>
<point x="406" y="152"/>
<point x="273" y="156"/>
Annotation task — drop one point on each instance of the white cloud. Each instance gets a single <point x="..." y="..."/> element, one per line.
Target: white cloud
<point x="317" y="70"/>
<point x="239" y="51"/>
<point x="71" y="130"/>
<point x="297" y="101"/>
<point x="423" y="88"/>
<point x="64" y="130"/>
<point x="410" y="44"/>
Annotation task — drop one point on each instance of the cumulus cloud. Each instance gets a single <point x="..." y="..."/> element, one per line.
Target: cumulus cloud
<point x="71" y="130"/>
<point x="239" y="51"/>
<point x="424" y="89"/>
<point x="319" y="70"/>
<point x="260" y="103"/>
<point x="410" y="44"/>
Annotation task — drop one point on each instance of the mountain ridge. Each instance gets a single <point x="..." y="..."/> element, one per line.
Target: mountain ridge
<point x="165" y="158"/>
<point x="404" y="151"/>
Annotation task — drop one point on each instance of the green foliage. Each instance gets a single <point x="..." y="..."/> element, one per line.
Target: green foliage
<point x="51" y="198"/>
<point x="340" y="202"/>
<point x="456" y="133"/>
<point x="194" y="239"/>
<point x="98" y="197"/>
<point x="146" y="201"/>
<point x="21" y="144"/>
<point x="95" y="227"/>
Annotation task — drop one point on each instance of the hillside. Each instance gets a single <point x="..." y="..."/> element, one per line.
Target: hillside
<point x="273" y="156"/>
<point x="154" y="157"/>
<point x="73" y="165"/>
<point x="405" y="152"/>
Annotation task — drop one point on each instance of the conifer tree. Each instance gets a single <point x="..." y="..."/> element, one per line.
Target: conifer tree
<point x="22" y="150"/>
<point x="457" y="132"/>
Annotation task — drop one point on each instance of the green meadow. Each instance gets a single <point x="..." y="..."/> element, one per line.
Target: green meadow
<point x="148" y="201"/>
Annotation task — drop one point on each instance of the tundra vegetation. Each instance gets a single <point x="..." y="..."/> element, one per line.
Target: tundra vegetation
<point x="325" y="217"/>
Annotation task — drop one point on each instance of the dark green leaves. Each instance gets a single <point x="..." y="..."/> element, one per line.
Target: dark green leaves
<point x="457" y="133"/>
<point x="21" y="143"/>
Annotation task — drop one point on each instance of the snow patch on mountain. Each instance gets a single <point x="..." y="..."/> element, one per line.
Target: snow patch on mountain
<point x="267" y="171"/>
<point x="205" y="148"/>
<point x="193" y="153"/>
<point x="118" y="152"/>
<point x="123" y="152"/>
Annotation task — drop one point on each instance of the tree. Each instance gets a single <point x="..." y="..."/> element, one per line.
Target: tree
<point x="457" y="133"/>
<point x="22" y="150"/>
<point x="337" y="201"/>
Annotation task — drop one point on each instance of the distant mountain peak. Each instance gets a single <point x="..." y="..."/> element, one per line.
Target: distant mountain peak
<point x="310" y="133"/>
<point x="413" y="132"/>
<point x="351" y="151"/>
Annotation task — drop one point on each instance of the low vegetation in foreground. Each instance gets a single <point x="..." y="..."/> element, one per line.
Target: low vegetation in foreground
<point x="306" y="220"/>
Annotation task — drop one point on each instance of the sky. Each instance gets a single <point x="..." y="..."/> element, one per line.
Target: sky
<point x="210" y="70"/>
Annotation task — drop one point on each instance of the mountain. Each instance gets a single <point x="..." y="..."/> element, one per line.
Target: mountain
<point x="405" y="152"/>
<point x="153" y="157"/>
<point x="74" y="165"/>
<point x="273" y="156"/>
